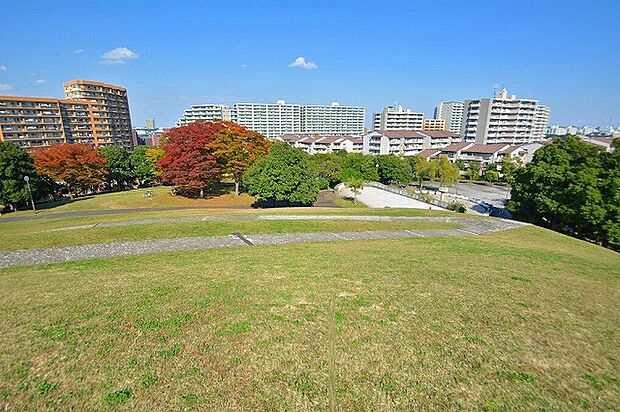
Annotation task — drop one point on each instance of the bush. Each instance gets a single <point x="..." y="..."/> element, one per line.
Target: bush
<point x="456" y="206"/>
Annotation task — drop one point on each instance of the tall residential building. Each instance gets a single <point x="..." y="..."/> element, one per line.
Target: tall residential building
<point x="275" y="119"/>
<point x="208" y="112"/>
<point x="434" y="125"/>
<point x="93" y="112"/>
<point x="110" y="110"/>
<point x="398" y="118"/>
<point x="503" y="119"/>
<point x="333" y="119"/>
<point x="269" y="119"/>
<point x="451" y="113"/>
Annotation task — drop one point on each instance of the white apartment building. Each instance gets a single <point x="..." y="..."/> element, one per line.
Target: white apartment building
<point x="398" y="118"/>
<point x="406" y="142"/>
<point x="207" y="112"/>
<point x="503" y="119"/>
<point x="333" y="119"/>
<point x="275" y="119"/>
<point x="314" y="144"/>
<point x="269" y="119"/>
<point x="452" y="114"/>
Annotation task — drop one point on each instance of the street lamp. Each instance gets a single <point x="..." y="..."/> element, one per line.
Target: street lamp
<point x="27" y="179"/>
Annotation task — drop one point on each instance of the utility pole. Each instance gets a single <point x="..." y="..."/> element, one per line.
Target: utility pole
<point x="27" y="179"/>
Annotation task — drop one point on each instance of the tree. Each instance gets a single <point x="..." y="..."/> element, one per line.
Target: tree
<point x="119" y="165"/>
<point x="508" y="168"/>
<point x="189" y="161"/>
<point x="393" y="169"/>
<point x="78" y="166"/>
<point x="448" y="173"/>
<point x="143" y="161"/>
<point x="572" y="187"/>
<point x="460" y="163"/>
<point x="424" y="170"/>
<point x="473" y="173"/>
<point x="356" y="185"/>
<point x="491" y="176"/>
<point x="15" y="163"/>
<point x="236" y="149"/>
<point x="284" y="175"/>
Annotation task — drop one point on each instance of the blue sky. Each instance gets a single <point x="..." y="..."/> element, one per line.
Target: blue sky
<point x="170" y="55"/>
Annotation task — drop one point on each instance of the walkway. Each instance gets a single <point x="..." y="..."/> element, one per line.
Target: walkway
<point x="375" y="197"/>
<point x="33" y="257"/>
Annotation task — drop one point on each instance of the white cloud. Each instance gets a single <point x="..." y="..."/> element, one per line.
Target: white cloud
<point x="244" y="65"/>
<point x="78" y="51"/>
<point x="5" y="87"/>
<point x="301" y="62"/>
<point x="2" y="68"/>
<point x="39" y="81"/>
<point x="120" y="55"/>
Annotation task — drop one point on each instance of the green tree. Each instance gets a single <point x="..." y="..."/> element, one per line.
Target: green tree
<point x="473" y="172"/>
<point x="460" y="163"/>
<point x="447" y="172"/>
<point x="491" y="176"/>
<point x="571" y="187"/>
<point x="284" y="175"/>
<point x="424" y="169"/>
<point x="393" y="169"/>
<point x="356" y="185"/>
<point x="508" y="168"/>
<point x="15" y="163"/>
<point x="119" y="166"/>
<point x="143" y="162"/>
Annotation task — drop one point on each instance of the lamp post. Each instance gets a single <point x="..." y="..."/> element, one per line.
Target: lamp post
<point x="27" y="179"/>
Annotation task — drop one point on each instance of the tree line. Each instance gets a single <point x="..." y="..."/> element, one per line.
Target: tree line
<point x="571" y="187"/>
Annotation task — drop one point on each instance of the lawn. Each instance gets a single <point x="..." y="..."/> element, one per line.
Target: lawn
<point x="519" y="320"/>
<point x="25" y="235"/>
<point x="131" y="199"/>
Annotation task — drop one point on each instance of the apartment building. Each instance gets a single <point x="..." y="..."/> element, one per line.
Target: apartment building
<point x="434" y="125"/>
<point x="406" y="142"/>
<point x="110" y="111"/>
<point x="452" y="114"/>
<point x="333" y="119"/>
<point x="275" y="119"/>
<point x="398" y="118"/>
<point x="269" y="119"/>
<point x="93" y="112"/>
<point x="504" y="119"/>
<point x="485" y="154"/>
<point x="207" y="112"/>
<point x="314" y="144"/>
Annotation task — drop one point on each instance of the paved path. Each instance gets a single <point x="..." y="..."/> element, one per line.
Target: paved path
<point x="374" y="197"/>
<point x="106" y="250"/>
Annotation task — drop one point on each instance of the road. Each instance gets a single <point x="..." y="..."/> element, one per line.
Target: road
<point x="494" y="195"/>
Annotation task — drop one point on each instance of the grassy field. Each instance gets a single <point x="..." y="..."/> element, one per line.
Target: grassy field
<point x="25" y="235"/>
<point x="519" y="320"/>
<point x="162" y="198"/>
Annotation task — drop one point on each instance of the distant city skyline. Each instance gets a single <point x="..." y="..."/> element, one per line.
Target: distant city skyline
<point x="169" y="58"/>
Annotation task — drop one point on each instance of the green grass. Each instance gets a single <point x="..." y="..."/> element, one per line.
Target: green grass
<point x="349" y="203"/>
<point x="519" y="320"/>
<point x="130" y="199"/>
<point x="42" y="233"/>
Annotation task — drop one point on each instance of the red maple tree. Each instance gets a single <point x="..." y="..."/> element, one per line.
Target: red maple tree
<point x="188" y="161"/>
<point x="236" y="149"/>
<point x="78" y="166"/>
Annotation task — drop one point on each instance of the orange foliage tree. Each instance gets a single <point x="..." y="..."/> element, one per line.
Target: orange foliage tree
<point x="80" y="167"/>
<point x="197" y="154"/>
<point x="236" y="149"/>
